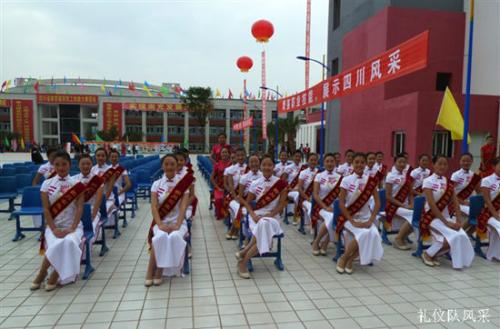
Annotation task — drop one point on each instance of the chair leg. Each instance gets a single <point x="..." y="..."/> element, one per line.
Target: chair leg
<point x="250" y="266"/>
<point x="185" y="269"/>
<point x="286" y="217"/>
<point x="477" y="248"/>
<point x="385" y="238"/>
<point x="420" y="249"/>
<point x="19" y="235"/>
<point x="124" y="210"/>
<point x="11" y="205"/>
<point x="278" y="262"/>
<point x="340" y="249"/>
<point x="116" y="233"/>
<point x="88" y="265"/>
<point x="104" y="247"/>
<point x="301" y="226"/>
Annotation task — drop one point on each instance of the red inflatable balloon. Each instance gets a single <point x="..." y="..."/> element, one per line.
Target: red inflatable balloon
<point x="244" y="63"/>
<point x="262" y="30"/>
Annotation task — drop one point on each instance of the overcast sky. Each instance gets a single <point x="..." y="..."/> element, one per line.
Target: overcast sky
<point x="193" y="42"/>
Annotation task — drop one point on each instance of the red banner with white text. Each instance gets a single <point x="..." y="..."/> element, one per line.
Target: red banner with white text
<point x="243" y="124"/>
<point x="112" y="116"/>
<point x="22" y="115"/>
<point x="396" y="62"/>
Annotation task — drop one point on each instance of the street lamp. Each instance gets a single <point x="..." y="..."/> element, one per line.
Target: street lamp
<point x="322" y="129"/>
<point x="275" y="122"/>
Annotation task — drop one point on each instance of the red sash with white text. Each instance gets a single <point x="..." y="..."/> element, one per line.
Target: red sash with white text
<point x="466" y="192"/>
<point x="484" y="216"/>
<point x="391" y="208"/>
<point x="171" y="201"/>
<point x="271" y="194"/>
<point x="59" y="205"/>
<point x="294" y="182"/>
<point x="108" y="174"/>
<point x="327" y="200"/>
<point x="371" y="185"/>
<point x="92" y="186"/>
<point x="428" y="216"/>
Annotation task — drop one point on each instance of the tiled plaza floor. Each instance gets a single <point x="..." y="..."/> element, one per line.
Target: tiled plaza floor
<point x="308" y="294"/>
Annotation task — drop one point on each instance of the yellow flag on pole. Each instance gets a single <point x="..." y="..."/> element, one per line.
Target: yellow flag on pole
<point x="217" y="93"/>
<point x="450" y="117"/>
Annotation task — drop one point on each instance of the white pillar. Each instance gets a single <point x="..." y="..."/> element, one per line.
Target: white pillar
<point x="186" y="128"/>
<point x="207" y="137"/>
<point x="144" y="126"/>
<point x="165" y="126"/>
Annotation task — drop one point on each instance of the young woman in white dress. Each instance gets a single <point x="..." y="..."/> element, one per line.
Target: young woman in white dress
<point x="291" y="175"/>
<point x="399" y="196"/>
<point x="280" y="167"/>
<point x="490" y="216"/>
<point x="447" y="232"/>
<point x="324" y="185"/>
<point x="101" y="168"/>
<point x="304" y="187"/>
<point x="361" y="235"/>
<point x="345" y="169"/>
<point x="64" y="231"/>
<point x="232" y="177"/>
<point x="166" y="235"/>
<point x="122" y="181"/>
<point x="465" y="182"/>
<point x="420" y="173"/>
<point x="270" y="194"/>
<point x="45" y="171"/>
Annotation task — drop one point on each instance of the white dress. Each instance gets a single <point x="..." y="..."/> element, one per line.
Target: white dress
<point x="461" y="250"/>
<point x="327" y="182"/>
<point x="307" y="177"/>
<point x="266" y="227"/>
<point x="245" y="180"/>
<point x="368" y="239"/>
<point x="95" y="221"/>
<point x="292" y="170"/>
<point x="418" y="175"/>
<point x="344" y="169"/>
<point x="492" y="182"/>
<point x="169" y="248"/>
<point x="45" y="170"/>
<point x="110" y="202"/>
<point x="279" y="169"/>
<point x="397" y="180"/>
<point x="64" y="254"/>
<point x="461" y="180"/>
<point x="119" y="184"/>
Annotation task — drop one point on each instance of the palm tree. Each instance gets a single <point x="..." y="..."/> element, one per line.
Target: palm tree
<point x="291" y="125"/>
<point x="199" y="104"/>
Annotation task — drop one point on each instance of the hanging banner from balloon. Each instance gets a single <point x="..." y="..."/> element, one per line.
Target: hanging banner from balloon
<point x="396" y="62"/>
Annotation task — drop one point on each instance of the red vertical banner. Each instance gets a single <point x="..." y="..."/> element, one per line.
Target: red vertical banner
<point x="22" y="118"/>
<point x="264" y="109"/>
<point x="245" y="110"/>
<point x="112" y="116"/>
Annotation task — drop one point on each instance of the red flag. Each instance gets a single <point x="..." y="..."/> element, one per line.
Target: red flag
<point x="131" y="86"/>
<point x="230" y="95"/>
<point x="35" y="86"/>
<point x="178" y="89"/>
<point x="4" y="84"/>
<point x="160" y="94"/>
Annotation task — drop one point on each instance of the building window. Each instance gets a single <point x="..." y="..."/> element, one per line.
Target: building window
<point x="335" y="66"/>
<point x="443" y="80"/>
<point x="398" y="142"/>
<point x="442" y="144"/>
<point x="336" y="14"/>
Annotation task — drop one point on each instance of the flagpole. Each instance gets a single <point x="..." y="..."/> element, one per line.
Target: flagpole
<point x="465" y="140"/>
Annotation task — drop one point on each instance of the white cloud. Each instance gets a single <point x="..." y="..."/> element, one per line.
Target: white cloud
<point x="194" y="42"/>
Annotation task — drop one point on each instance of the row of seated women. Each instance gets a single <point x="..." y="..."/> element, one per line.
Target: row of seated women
<point x="355" y="184"/>
<point x="63" y="197"/>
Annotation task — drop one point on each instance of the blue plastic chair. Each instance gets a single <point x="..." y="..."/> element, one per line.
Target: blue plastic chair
<point x="144" y="184"/>
<point x="338" y="244"/>
<point x="8" y="191"/>
<point x="278" y="262"/>
<point x="88" y="235"/>
<point x="131" y="203"/>
<point x="103" y="212"/>
<point x="8" y="171"/>
<point x="31" y="205"/>
<point x="418" y="209"/>
<point x="476" y="204"/>
<point x="22" y="181"/>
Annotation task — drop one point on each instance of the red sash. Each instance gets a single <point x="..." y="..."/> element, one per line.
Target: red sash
<point x="228" y="198"/>
<point x="308" y="193"/>
<point x="119" y="170"/>
<point x="371" y="185"/>
<point x="108" y="174"/>
<point x="271" y="194"/>
<point x="484" y="216"/>
<point x="390" y="208"/>
<point x="428" y="216"/>
<point x="92" y="186"/>
<point x="171" y="201"/>
<point x="294" y="182"/>
<point x="52" y="174"/>
<point x="328" y="200"/>
<point x="383" y="169"/>
<point x="466" y="192"/>
<point x="59" y="205"/>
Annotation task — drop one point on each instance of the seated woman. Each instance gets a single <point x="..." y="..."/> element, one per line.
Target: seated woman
<point x="305" y="187"/>
<point x="169" y="200"/>
<point x="270" y="193"/>
<point x="235" y="208"/>
<point x="465" y="182"/>
<point x="361" y="235"/>
<point x="62" y="200"/>
<point x="106" y="172"/>
<point x="279" y="168"/>
<point x="232" y="177"/>
<point x="399" y="207"/>
<point x="217" y="180"/>
<point x="447" y="232"/>
<point x="184" y="168"/>
<point x="122" y="181"/>
<point x="325" y="190"/>
<point x="45" y="171"/>
<point x="94" y="189"/>
<point x="291" y="175"/>
<point x="490" y="216"/>
<point x="420" y="173"/>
